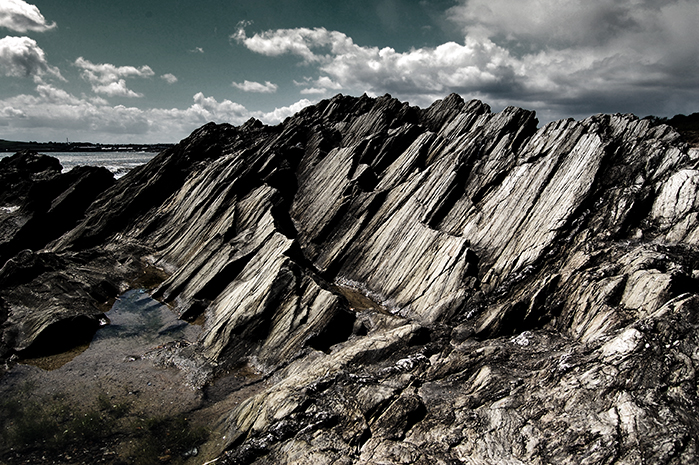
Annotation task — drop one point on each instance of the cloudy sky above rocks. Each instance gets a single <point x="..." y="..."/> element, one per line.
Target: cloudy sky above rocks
<point x="154" y="70"/>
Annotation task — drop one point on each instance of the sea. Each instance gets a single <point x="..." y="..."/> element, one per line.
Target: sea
<point x="119" y="163"/>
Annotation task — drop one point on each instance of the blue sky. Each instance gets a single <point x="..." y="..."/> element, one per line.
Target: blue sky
<point x="154" y="70"/>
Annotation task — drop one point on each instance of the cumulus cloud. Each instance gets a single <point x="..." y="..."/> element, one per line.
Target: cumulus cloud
<point x="250" y="86"/>
<point x="215" y="110"/>
<point x="321" y="86"/>
<point x="206" y="109"/>
<point x="169" y="78"/>
<point x="281" y="113"/>
<point x="314" y="91"/>
<point x="115" y="89"/>
<point x="109" y="80"/>
<point x="476" y="65"/>
<point x="58" y="114"/>
<point x="58" y="111"/>
<point x="22" y="57"/>
<point x="54" y="96"/>
<point x="22" y="17"/>
<point x="304" y="42"/>
<point x="560" y="57"/>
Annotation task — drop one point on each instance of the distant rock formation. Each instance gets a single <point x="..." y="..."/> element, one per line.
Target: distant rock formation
<point x="440" y="285"/>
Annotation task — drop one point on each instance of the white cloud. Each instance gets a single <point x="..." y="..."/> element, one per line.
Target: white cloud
<point x="207" y="109"/>
<point x="55" y="96"/>
<point x="57" y="111"/>
<point x="109" y="80"/>
<point x="197" y="50"/>
<point x="314" y="91"/>
<point x="214" y="110"/>
<point x="449" y="67"/>
<point x="22" y="17"/>
<point x="57" y="114"/>
<point x="169" y="78"/>
<point x="321" y="86"/>
<point x="22" y="57"/>
<point x="106" y="73"/>
<point x="280" y="114"/>
<point x="303" y="42"/>
<point x="250" y="86"/>
<point x="115" y="89"/>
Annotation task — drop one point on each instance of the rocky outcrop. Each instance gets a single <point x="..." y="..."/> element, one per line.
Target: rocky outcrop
<point x="447" y="285"/>
<point x="47" y="301"/>
<point x="50" y="303"/>
<point x="38" y="203"/>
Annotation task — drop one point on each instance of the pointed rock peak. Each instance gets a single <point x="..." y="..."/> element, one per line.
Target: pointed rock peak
<point x="450" y="101"/>
<point x="337" y="107"/>
<point x="252" y="124"/>
<point x="204" y="142"/>
<point x="205" y="128"/>
<point x="338" y="98"/>
<point x="386" y="98"/>
<point x="389" y="103"/>
<point x="345" y="107"/>
<point x="204" y="132"/>
<point x="441" y="112"/>
<point x="476" y="106"/>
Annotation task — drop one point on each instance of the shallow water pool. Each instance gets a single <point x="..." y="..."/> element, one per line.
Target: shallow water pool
<point x="110" y="381"/>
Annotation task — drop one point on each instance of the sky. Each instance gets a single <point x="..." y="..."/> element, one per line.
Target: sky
<point x="151" y="71"/>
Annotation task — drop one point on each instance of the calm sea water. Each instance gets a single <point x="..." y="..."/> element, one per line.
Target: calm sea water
<point x="118" y="163"/>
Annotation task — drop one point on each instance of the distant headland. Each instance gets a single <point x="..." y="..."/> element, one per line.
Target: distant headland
<point x="15" y="146"/>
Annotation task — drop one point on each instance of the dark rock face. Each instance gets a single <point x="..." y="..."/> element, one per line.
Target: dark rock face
<point x="45" y="298"/>
<point x="445" y="285"/>
<point x="39" y="203"/>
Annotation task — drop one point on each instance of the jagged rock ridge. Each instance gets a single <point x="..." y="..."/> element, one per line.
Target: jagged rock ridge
<point x="534" y="287"/>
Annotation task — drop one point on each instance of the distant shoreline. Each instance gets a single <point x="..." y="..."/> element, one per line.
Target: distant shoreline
<point x="14" y="146"/>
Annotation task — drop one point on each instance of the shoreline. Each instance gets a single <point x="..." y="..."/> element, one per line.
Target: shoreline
<point x="50" y="147"/>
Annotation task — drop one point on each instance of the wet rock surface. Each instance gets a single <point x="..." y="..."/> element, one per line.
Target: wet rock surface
<point x="385" y="284"/>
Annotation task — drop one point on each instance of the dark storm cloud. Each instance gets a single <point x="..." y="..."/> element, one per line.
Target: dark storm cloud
<point x="582" y="57"/>
<point x="561" y="57"/>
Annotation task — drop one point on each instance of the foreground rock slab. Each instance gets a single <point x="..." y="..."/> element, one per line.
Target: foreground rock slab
<point x="447" y="285"/>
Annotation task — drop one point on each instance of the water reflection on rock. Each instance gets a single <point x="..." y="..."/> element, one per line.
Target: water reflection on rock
<point x="138" y="320"/>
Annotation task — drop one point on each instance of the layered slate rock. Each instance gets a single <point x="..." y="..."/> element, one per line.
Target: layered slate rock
<point x="38" y="203"/>
<point x="50" y="302"/>
<point x="444" y="285"/>
<point x="43" y="307"/>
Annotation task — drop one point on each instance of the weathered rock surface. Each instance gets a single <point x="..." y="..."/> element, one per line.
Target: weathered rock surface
<point x="447" y="285"/>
